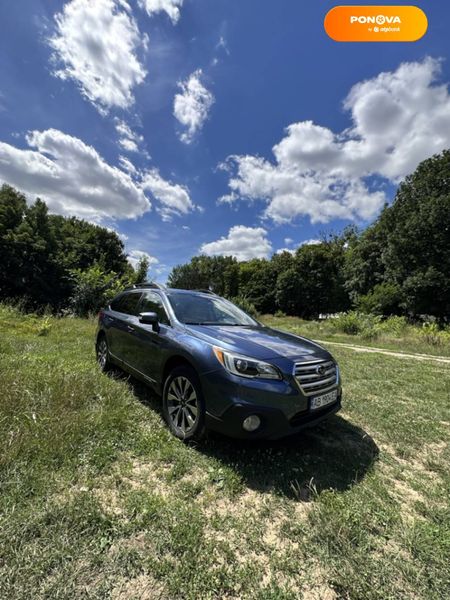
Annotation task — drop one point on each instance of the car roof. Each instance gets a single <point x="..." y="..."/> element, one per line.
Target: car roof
<point x="168" y="290"/>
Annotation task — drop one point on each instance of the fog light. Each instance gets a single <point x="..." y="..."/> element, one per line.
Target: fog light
<point x="251" y="423"/>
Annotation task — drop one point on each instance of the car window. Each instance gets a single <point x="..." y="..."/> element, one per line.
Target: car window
<point x="115" y="304"/>
<point x="196" y="309"/>
<point x="152" y="302"/>
<point x="127" y="304"/>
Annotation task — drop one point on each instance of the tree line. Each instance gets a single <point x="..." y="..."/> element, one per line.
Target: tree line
<point x="56" y="262"/>
<point x="398" y="265"/>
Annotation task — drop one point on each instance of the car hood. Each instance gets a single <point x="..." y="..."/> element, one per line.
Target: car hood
<point x="258" y="342"/>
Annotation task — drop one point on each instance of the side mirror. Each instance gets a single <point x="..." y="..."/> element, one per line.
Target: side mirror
<point x="149" y="318"/>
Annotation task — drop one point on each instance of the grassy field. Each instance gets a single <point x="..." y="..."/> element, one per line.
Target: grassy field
<point x="99" y="501"/>
<point x="389" y="335"/>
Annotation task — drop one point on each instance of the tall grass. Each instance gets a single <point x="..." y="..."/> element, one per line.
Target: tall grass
<point x="360" y="328"/>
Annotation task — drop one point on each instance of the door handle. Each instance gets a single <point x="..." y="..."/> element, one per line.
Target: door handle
<point x="130" y="328"/>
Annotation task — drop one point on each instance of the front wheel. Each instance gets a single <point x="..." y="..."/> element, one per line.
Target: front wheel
<point x="103" y="359"/>
<point x="183" y="405"/>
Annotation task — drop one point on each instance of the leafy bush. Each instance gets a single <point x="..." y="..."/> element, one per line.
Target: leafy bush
<point x="44" y="326"/>
<point x="394" y="325"/>
<point x="355" y="323"/>
<point x="245" y="305"/>
<point x="434" y="336"/>
<point x="93" y="289"/>
<point x="383" y="299"/>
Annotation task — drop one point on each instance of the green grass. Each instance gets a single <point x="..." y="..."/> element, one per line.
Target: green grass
<point x="410" y="339"/>
<point x="99" y="501"/>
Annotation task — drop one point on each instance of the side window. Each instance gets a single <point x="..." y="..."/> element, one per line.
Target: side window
<point x="116" y="303"/>
<point x="128" y="303"/>
<point x="152" y="302"/>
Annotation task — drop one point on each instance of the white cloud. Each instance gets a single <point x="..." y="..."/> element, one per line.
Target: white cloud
<point x="71" y="177"/>
<point x="127" y="165"/>
<point x="173" y="198"/>
<point x="222" y="45"/>
<point x="97" y="44"/>
<point x="242" y="242"/>
<point x="134" y="256"/>
<point x="171" y="7"/>
<point x="311" y="242"/>
<point x="191" y="107"/>
<point x="288" y="241"/>
<point x="281" y="250"/>
<point x="122" y="236"/>
<point x="128" y="139"/>
<point x="398" y="119"/>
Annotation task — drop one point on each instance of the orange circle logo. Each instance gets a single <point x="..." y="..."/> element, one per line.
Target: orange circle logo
<point x="376" y="23"/>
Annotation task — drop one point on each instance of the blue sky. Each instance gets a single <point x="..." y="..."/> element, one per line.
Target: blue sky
<point x="213" y="125"/>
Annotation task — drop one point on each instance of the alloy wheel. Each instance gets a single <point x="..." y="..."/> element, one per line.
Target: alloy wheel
<point x="102" y="353"/>
<point x="182" y="404"/>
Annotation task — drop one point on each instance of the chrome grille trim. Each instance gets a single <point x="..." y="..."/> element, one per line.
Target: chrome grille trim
<point x="310" y="381"/>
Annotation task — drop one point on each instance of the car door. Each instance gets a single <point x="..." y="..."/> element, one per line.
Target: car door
<point x="122" y="319"/>
<point x="149" y="346"/>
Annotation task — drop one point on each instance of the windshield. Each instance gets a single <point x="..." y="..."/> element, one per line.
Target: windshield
<point x="194" y="309"/>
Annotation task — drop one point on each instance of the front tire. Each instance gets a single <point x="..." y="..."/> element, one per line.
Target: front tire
<point x="183" y="404"/>
<point x="102" y="352"/>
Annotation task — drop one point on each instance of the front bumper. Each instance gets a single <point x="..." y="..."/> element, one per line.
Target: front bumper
<point x="274" y="422"/>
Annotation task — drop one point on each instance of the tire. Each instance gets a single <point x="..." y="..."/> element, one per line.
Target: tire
<point x="102" y="353"/>
<point x="183" y="404"/>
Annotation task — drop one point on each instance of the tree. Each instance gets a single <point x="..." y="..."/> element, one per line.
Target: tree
<point x="220" y="273"/>
<point x="12" y="211"/>
<point x="94" y="288"/>
<point x="417" y="254"/>
<point x="40" y="252"/>
<point x="289" y="292"/>
<point x="257" y="279"/>
<point x="320" y="273"/>
<point x="82" y="245"/>
<point x="142" y="269"/>
<point x="408" y="245"/>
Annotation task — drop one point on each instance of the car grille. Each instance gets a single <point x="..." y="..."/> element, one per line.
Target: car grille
<point x="316" y="376"/>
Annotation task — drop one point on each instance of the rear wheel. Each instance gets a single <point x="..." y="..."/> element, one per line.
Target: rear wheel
<point x="183" y="405"/>
<point x="103" y="358"/>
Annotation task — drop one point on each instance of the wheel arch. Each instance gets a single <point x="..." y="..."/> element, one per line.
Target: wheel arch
<point x="100" y="334"/>
<point x="177" y="360"/>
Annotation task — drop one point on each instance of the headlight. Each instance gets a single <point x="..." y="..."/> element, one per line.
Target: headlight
<point x="246" y="367"/>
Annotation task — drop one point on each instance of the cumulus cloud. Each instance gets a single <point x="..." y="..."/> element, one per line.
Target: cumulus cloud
<point x="191" y="107"/>
<point x="71" y="177"/>
<point x="171" y="7"/>
<point x="288" y="241"/>
<point x="311" y="242"/>
<point x="129" y="140"/>
<point x="242" y="242"/>
<point x="127" y="165"/>
<point x="97" y="45"/>
<point x="397" y="120"/>
<point x="134" y="256"/>
<point x="173" y="198"/>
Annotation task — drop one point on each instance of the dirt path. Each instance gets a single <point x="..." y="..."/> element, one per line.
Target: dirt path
<point x="441" y="359"/>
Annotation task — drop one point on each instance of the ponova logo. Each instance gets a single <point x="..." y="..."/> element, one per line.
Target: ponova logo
<point x="376" y="23"/>
<point x="379" y="19"/>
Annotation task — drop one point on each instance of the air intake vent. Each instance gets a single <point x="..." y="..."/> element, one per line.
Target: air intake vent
<point x="317" y="376"/>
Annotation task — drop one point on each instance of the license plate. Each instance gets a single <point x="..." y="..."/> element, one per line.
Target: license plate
<point x="321" y="401"/>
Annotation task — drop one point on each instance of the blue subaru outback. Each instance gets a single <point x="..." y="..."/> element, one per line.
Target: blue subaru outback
<point x="215" y="366"/>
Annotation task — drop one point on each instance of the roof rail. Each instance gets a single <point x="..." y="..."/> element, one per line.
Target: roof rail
<point x="206" y="292"/>
<point x="147" y="284"/>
